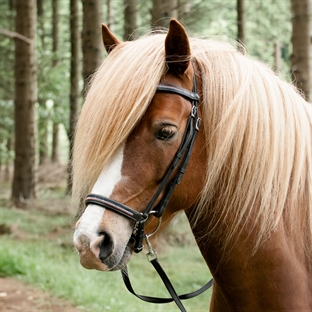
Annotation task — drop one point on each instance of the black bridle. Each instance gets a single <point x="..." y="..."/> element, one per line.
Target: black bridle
<point x="181" y="158"/>
<point x="179" y="161"/>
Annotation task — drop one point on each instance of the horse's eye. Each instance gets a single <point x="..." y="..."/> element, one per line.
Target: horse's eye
<point x="166" y="133"/>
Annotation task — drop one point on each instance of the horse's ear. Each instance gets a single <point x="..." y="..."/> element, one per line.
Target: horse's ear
<point x="109" y="39"/>
<point x="177" y="48"/>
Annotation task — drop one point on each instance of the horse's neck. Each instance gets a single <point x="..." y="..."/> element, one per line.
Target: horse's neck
<point x="274" y="278"/>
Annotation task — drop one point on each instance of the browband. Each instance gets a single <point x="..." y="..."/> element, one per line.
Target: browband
<point x="170" y="88"/>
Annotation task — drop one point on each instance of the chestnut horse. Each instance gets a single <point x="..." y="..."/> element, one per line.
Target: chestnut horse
<point x="247" y="188"/>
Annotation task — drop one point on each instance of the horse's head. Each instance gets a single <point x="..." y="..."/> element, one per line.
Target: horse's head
<point x="136" y="171"/>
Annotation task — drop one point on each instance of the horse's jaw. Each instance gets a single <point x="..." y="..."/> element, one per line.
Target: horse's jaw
<point x="118" y="261"/>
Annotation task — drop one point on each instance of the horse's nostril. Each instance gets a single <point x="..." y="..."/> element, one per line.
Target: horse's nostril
<point x="106" y="246"/>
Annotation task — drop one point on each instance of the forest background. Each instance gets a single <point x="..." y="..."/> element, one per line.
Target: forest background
<point x="48" y="52"/>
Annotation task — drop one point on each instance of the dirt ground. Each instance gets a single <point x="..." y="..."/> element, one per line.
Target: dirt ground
<point x="16" y="296"/>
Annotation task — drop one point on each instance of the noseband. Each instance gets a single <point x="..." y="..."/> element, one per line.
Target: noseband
<point x="180" y="160"/>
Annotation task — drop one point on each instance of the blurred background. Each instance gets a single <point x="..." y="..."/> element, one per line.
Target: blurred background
<point x="49" y="49"/>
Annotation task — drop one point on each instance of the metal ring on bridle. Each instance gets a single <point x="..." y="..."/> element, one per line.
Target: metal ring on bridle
<point x="156" y="228"/>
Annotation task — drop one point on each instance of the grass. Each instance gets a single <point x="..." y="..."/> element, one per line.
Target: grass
<point x="39" y="251"/>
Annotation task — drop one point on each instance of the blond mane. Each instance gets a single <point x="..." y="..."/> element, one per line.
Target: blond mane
<point x="257" y="128"/>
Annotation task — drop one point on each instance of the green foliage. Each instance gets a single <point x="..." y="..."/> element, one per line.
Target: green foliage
<point x="53" y="68"/>
<point x="54" y="89"/>
<point x="53" y="80"/>
<point x="266" y="22"/>
<point x="269" y="22"/>
<point x="11" y="265"/>
<point x="36" y="222"/>
<point x="6" y="130"/>
<point x="6" y="82"/>
<point x="210" y="18"/>
<point x="6" y="53"/>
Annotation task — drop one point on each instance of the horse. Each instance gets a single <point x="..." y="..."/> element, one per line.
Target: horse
<point x="247" y="177"/>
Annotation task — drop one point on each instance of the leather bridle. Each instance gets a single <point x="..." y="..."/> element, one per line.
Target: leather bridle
<point x="167" y="186"/>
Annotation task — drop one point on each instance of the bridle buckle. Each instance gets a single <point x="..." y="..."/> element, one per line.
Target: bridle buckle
<point x="151" y="255"/>
<point x="139" y="235"/>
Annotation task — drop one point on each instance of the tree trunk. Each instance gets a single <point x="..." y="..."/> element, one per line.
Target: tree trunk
<point x="241" y="21"/>
<point x="7" y="175"/>
<point x="55" y="48"/>
<point x="55" y="155"/>
<point x="41" y="23"/>
<point x="12" y="5"/>
<point x="25" y="170"/>
<point x="40" y="8"/>
<point x="130" y="21"/>
<point x="163" y="11"/>
<point x="92" y="46"/>
<point x="301" y="59"/>
<point x="74" y="80"/>
<point x="43" y="135"/>
<point x="42" y="121"/>
<point x="55" y="31"/>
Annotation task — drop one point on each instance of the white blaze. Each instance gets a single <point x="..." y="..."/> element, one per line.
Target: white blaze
<point x="89" y="223"/>
<point x="110" y="176"/>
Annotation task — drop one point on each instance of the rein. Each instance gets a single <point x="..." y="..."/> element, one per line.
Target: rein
<point x="181" y="158"/>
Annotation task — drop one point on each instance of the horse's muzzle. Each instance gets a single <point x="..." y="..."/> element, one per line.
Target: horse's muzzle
<point x="94" y="251"/>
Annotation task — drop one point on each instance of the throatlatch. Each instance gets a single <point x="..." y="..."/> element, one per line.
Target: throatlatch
<point x="180" y="159"/>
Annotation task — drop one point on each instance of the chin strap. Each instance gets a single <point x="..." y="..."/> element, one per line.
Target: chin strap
<point x="153" y="259"/>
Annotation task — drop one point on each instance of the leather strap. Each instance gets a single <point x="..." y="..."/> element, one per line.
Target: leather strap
<point x="115" y="206"/>
<point x="176" y="298"/>
<point x="170" y="88"/>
